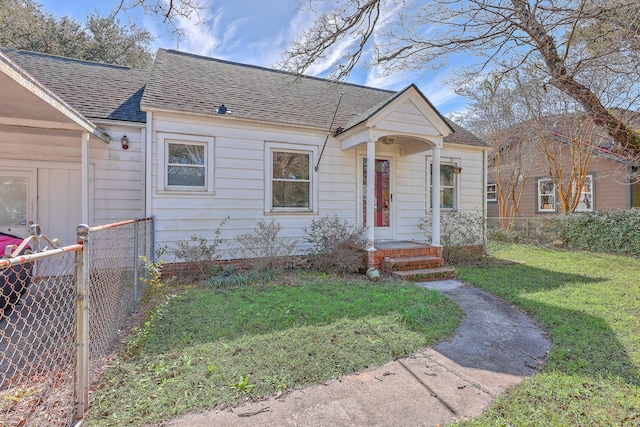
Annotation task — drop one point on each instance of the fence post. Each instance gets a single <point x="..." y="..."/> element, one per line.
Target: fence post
<point x="82" y="322"/>
<point x="135" y="261"/>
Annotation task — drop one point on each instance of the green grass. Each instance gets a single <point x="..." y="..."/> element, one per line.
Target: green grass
<point x="208" y="347"/>
<point x="590" y="306"/>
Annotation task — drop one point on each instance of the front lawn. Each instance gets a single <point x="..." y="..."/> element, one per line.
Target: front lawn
<point x="209" y="347"/>
<point x="590" y="305"/>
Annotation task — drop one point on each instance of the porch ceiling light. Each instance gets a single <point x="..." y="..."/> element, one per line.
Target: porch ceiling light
<point x="388" y="140"/>
<point x="125" y="142"/>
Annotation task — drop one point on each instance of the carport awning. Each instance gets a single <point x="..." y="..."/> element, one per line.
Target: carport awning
<point x="29" y="104"/>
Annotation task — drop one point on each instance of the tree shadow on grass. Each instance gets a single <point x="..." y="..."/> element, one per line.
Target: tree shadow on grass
<point x="207" y="317"/>
<point x="583" y="343"/>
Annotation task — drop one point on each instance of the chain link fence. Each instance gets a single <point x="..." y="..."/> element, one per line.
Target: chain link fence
<point x="538" y="230"/>
<point x="60" y="311"/>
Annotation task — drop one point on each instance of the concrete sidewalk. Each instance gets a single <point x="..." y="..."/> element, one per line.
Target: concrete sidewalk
<point x="495" y="347"/>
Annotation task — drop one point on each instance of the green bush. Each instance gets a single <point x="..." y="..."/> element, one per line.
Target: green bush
<point x="457" y="228"/>
<point x="462" y="235"/>
<point x="616" y="231"/>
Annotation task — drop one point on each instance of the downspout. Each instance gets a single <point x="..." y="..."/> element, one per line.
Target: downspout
<point x="143" y="172"/>
<point x="148" y="162"/>
<point x="484" y="196"/>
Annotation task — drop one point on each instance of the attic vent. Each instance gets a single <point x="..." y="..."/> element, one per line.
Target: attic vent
<point x="221" y="109"/>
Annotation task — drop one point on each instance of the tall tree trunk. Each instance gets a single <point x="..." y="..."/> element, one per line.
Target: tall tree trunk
<point x="627" y="139"/>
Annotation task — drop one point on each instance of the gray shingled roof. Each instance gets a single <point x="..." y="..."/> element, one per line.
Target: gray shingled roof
<point x="190" y="83"/>
<point x="463" y="136"/>
<point x="195" y="84"/>
<point x="98" y="91"/>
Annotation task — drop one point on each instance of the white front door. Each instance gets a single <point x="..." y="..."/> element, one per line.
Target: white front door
<point x="18" y="208"/>
<point x="383" y="203"/>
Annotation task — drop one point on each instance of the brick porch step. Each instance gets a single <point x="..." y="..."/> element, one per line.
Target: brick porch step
<point x="390" y="264"/>
<point x="425" y="274"/>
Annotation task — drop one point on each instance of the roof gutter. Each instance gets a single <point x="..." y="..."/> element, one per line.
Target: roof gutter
<point x="20" y="76"/>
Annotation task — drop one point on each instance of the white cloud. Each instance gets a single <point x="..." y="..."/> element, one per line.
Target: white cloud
<point x="207" y="34"/>
<point x="439" y="94"/>
<point x="376" y="78"/>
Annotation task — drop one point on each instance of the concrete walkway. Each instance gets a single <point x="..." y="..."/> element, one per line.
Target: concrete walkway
<point x="495" y="347"/>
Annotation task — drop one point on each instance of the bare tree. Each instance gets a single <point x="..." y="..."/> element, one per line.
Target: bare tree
<point x="568" y="143"/>
<point x="167" y="11"/>
<point x="496" y="115"/>
<point x="569" y="41"/>
<point x="568" y="140"/>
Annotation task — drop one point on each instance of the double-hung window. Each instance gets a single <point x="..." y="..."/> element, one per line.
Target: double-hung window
<point x="448" y="186"/>
<point x="290" y="179"/>
<point x="585" y="201"/>
<point x="546" y="190"/>
<point x="187" y="163"/>
<point x="492" y="192"/>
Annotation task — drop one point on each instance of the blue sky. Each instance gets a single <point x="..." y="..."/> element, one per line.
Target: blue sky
<point x="257" y="32"/>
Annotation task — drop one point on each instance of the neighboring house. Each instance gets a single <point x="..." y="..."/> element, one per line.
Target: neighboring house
<point x="195" y="140"/>
<point x="610" y="183"/>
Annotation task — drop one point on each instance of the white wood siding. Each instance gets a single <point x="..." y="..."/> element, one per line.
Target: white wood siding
<point x="115" y="176"/>
<point x="239" y="181"/>
<point x="118" y="176"/>
<point x="407" y="118"/>
<point x="239" y="177"/>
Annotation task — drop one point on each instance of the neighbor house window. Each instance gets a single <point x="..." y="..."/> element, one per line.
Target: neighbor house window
<point x="492" y="193"/>
<point x="448" y="186"/>
<point x="290" y="178"/>
<point x="585" y="201"/>
<point x="546" y="195"/>
<point x="187" y="161"/>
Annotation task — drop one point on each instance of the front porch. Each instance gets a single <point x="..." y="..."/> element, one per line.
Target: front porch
<point x="409" y="260"/>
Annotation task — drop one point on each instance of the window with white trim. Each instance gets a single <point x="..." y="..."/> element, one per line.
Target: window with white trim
<point x="492" y="192"/>
<point x="290" y="174"/>
<point x="448" y="186"/>
<point x="546" y="191"/>
<point x="585" y="202"/>
<point x="187" y="163"/>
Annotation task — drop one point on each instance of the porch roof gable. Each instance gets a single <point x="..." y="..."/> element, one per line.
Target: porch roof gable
<point x="29" y="103"/>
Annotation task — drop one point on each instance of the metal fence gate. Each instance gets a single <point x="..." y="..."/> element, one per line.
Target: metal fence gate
<point x="60" y="311"/>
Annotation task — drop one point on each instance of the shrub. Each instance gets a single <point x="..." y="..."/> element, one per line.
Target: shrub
<point x="457" y="228"/>
<point x="263" y="249"/>
<point x="336" y="245"/>
<point x="198" y="255"/>
<point x="462" y="235"/>
<point x="616" y="231"/>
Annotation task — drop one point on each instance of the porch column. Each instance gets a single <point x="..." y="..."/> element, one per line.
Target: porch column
<point x="371" y="180"/>
<point x="435" y="198"/>
<point x="85" y="178"/>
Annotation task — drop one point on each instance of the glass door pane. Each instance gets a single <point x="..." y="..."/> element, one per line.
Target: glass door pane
<point x="382" y="191"/>
<point x="14" y="201"/>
